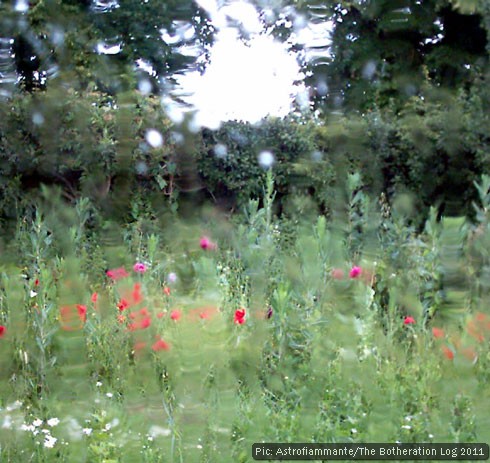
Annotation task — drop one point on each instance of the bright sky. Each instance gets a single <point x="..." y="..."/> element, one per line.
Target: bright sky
<point x="246" y="81"/>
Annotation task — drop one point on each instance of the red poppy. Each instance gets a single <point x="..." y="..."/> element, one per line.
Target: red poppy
<point x="139" y="346"/>
<point x="448" y="353"/>
<point x="337" y="274"/>
<point x="94" y="297"/>
<point x="123" y="304"/>
<point x="175" y="315"/>
<point x="160" y="314"/>
<point x="82" y="312"/>
<point x="475" y="331"/>
<point x="136" y="294"/>
<point x="409" y="320"/>
<point x="438" y="332"/>
<point x="3" y="330"/>
<point x="166" y="291"/>
<point x="239" y="317"/>
<point x="160" y="345"/>
<point x="36" y="282"/>
<point x="72" y="317"/>
<point x="117" y="273"/>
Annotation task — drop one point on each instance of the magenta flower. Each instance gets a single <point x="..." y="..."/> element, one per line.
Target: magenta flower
<point x="355" y="272"/>
<point x="206" y="243"/>
<point x="409" y="320"/>
<point x="139" y="267"/>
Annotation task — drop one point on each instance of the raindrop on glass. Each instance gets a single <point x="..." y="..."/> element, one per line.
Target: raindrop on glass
<point x="220" y="151"/>
<point x="37" y="118"/>
<point x="266" y="159"/>
<point x="316" y="156"/>
<point x="177" y="138"/>
<point x="144" y="86"/>
<point x="322" y="88"/>
<point x="369" y="70"/>
<point x="141" y="168"/>
<point x="154" y="138"/>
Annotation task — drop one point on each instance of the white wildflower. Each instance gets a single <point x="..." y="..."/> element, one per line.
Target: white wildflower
<point x="49" y="442"/>
<point x="37" y="422"/>
<point x="53" y="422"/>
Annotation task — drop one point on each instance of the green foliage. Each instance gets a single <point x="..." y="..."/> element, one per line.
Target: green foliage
<point x="228" y="159"/>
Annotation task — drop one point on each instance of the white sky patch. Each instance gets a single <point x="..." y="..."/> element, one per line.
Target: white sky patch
<point x="243" y="81"/>
<point x="252" y="80"/>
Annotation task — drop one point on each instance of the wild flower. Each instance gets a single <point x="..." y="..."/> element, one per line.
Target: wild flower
<point x="438" y="332"/>
<point x="166" y="291"/>
<point x="3" y="330"/>
<point x="123" y="304"/>
<point x="409" y="320"/>
<point x="160" y="345"/>
<point x="448" y="353"/>
<point x="338" y="274"/>
<point x="239" y="318"/>
<point x="355" y="272"/>
<point x="49" y="441"/>
<point x="53" y="422"/>
<point x="94" y="297"/>
<point x="117" y="273"/>
<point x="139" y="267"/>
<point x="172" y="277"/>
<point x="207" y="244"/>
<point x="175" y="315"/>
<point x="82" y="312"/>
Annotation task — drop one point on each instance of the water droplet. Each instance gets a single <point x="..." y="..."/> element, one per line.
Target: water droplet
<point x="177" y="138"/>
<point x="144" y="86"/>
<point x="322" y="88"/>
<point x="154" y="138"/>
<point x="37" y="118"/>
<point x="316" y="156"/>
<point x="266" y="159"/>
<point x="141" y="168"/>
<point x="369" y="70"/>
<point x="220" y="151"/>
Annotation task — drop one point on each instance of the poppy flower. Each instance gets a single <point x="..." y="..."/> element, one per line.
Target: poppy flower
<point x="160" y="345"/>
<point x="139" y="267"/>
<point x="166" y="291"/>
<point x="448" y="353"/>
<point x="355" y="272"/>
<point x="239" y="317"/>
<point x="94" y="297"/>
<point x="82" y="312"/>
<point x="160" y="314"/>
<point x="409" y="321"/>
<point x="117" y="273"/>
<point x="175" y="315"/>
<point x="338" y="274"/>
<point x="36" y="282"/>
<point x="136" y="294"/>
<point x="72" y="317"/>
<point x="123" y="304"/>
<point x="3" y="330"/>
<point x="438" y="332"/>
<point x="139" y="346"/>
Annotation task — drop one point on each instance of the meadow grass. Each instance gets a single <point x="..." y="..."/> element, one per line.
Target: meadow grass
<point x="355" y="328"/>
